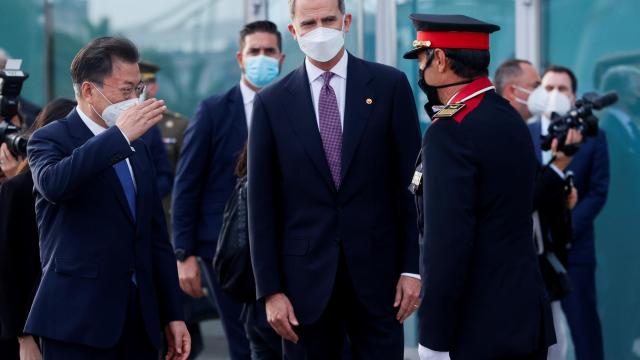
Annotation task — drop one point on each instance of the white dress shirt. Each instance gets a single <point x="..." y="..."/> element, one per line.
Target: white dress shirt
<point x="248" y="95"/>
<point x="97" y="130"/>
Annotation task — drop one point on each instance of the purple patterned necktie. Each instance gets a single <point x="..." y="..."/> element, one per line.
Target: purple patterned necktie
<point x="330" y="127"/>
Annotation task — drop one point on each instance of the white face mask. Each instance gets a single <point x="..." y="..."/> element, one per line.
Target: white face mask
<point x="111" y="113"/>
<point x="322" y="44"/>
<point x="544" y="102"/>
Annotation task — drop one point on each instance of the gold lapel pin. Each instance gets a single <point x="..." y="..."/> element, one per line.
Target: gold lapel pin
<point x="369" y="101"/>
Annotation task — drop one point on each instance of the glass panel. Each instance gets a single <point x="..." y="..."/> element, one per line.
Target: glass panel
<point x="500" y="12"/>
<point x="598" y="40"/>
<point x="22" y="37"/>
<point x="193" y="41"/>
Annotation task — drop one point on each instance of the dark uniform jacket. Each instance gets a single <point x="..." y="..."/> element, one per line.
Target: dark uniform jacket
<point x="483" y="293"/>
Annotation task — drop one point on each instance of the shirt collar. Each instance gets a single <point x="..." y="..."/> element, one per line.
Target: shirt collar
<point x="247" y="93"/>
<point x="95" y="128"/>
<point x="339" y="69"/>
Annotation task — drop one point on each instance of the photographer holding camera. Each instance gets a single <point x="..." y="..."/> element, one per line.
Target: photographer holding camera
<point x="590" y="167"/>
<point x="8" y="161"/>
<point x="19" y="250"/>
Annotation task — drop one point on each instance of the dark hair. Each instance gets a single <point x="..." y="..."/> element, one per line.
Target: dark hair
<point x="564" y="70"/>
<point x="260" y="26"/>
<point x="56" y="109"/>
<point x="466" y="63"/>
<point x="241" y="166"/>
<point x="507" y="71"/>
<point x="94" y="62"/>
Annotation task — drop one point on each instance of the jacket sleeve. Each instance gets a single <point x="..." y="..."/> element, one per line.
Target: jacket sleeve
<point x="590" y="203"/>
<point x="189" y="182"/>
<point x="406" y="134"/>
<point x="548" y="188"/>
<point x="450" y="221"/>
<point x="263" y="193"/>
<point x="57" y="174"/>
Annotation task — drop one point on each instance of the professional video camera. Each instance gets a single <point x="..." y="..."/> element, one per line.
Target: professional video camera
<point x="11" y="80"/>
<point x="580" y="118"/>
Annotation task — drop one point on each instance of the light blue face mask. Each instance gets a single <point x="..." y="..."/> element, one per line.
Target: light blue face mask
<point x="261" y="70"/>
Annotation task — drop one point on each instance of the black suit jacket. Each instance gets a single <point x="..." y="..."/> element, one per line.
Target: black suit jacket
<point x="299" y="222"/>
<point x="19" y="256"/>
<point x="483" y="293"/>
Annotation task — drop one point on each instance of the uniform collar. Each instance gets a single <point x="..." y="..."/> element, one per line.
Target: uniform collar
<point x="473" y="89"/>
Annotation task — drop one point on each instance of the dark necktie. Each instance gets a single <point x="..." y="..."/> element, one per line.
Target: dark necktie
<point x="122" y="170"/>
<point x="330" y="128"/>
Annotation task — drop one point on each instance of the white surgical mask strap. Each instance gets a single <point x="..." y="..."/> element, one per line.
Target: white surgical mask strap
<point x="520" y="88"/>
<point x="106" y="98"/>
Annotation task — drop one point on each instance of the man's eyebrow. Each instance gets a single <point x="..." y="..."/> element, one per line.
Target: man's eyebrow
<point x="329" y="18"/>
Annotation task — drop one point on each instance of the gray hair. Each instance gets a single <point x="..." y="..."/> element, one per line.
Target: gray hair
<point x="292" y="7"/>
<point x="506" y="72"/>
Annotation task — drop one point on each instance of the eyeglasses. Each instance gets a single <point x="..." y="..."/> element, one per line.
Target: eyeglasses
<point x="126" y="91"/>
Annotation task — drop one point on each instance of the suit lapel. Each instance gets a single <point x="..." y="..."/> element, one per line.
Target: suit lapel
<point x="237" y="113"/>
<point x="82" y="134"/>
<point x="303" y="120"/>
<point x="536" y="130"/>
<point x="140" y="178"/>
<point x="359" y="103"/>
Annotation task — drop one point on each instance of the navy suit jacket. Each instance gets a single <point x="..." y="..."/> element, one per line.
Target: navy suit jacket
<point x="205" y="176"/>
<point x="90" y="243"/>
<point x="590" y="167"/>
<point x="300" y="223"/>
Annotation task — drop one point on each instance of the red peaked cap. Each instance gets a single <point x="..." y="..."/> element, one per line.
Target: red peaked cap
<point x="449" y="32"/>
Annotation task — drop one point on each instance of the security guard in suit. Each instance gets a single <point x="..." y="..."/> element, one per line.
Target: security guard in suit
<point x="483" y="295"/>
<point x="172" y="127"/>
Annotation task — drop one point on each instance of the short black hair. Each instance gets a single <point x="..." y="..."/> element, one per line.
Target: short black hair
<point x="466" y="63"/>
<point x="564" y="70"/>
<point x="94" y="62"/>
<point x="260" y="26"/>
<point x="507" y="71"/>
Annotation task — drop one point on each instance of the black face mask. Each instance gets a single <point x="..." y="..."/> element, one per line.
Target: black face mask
<point x="432" y="91"/>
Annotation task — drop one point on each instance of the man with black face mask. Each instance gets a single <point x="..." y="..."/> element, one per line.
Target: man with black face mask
<point x="483" y="293"/>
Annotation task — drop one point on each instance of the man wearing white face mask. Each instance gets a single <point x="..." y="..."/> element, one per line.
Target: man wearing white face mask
<point x="515" y="80"/>
<point x="332" y="225"/>
<point x="205" y="180"/>
<point x="590" y="167"/>
<point x="109" y="285"/>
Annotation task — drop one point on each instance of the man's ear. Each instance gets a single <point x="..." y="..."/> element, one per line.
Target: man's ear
<point x="292" y="31"/>
<point x="239" y="59"/>
<point x="440" y="60"/>
<point x="347" y="22"/>
<point x="86" y="92"/>
<point x="508" y="92"/>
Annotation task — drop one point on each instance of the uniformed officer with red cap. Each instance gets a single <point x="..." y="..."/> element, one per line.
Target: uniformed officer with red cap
<point x="483" y="294"/>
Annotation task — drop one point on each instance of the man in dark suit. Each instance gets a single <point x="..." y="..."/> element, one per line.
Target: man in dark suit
<point x="332" y="225"/>
<point x="109" y="284"/>
<point x="590" y="167"/>
<point x="205" y="176"/>
<point x="484" y="296"/>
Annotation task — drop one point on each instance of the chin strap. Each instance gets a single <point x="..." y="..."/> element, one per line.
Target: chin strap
<point x="453" y="84"/>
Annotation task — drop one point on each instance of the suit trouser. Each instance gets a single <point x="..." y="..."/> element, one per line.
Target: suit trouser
<point x="581" y="311"/>
<point x="134" y="343"/>
<point x="229" y="311"/>
<point x="370" y="337"/>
